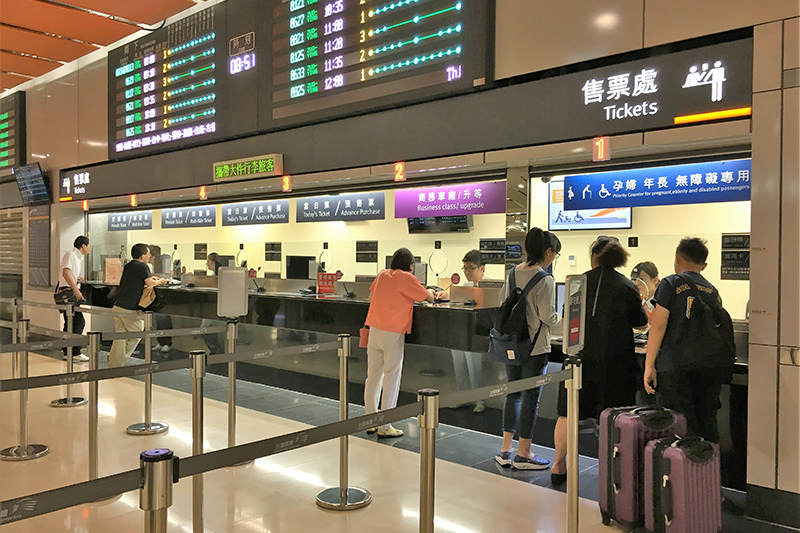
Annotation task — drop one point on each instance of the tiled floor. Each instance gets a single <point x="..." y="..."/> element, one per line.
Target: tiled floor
<point x="474" y="494"/>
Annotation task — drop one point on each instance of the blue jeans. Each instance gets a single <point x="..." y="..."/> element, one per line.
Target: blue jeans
<point x="521" y="408"/>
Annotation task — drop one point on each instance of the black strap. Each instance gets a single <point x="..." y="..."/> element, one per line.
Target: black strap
<point x="659" y="492"/>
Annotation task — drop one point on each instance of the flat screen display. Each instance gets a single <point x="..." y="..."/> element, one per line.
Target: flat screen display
<point x="560" y="297"/>
<point x="32" y="184"/>
<point x="594" y="219"/>
<point x="459" y="224"/>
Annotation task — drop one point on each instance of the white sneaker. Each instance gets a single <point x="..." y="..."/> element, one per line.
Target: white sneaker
<point x="166" y="348"/>
<point x="82" y="358"/>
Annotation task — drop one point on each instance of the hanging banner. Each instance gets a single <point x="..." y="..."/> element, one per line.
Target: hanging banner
<point x="264" y="212"/>
<point x="130" y="221"/>
<point x="463" y="199"/>
<point x="696" y="183"/>
<point x="344" y="207"/>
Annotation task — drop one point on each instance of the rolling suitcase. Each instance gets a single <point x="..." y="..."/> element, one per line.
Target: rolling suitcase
<point x="682" y="486"/>
<point x="624" y="433"/>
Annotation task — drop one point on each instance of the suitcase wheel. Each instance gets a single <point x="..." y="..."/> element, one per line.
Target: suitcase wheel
<point x="606" y="518"/>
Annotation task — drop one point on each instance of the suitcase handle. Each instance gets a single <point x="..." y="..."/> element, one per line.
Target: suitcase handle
<point x="654" y="417"/>
<point x="697" y="449"/>
<point x="666" y="500"/>
<point x="615" y="470"/>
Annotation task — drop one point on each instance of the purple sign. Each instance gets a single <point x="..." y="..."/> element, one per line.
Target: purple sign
<point x="467" y="199"/>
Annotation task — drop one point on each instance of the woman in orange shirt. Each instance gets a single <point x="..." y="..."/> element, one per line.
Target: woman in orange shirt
<point x="391" y="308"/>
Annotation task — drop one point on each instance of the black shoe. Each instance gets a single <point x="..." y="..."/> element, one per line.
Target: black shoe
<point x="558" y="479"/>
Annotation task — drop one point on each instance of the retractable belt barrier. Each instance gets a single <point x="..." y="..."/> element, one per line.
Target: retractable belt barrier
<point x="182" y="332"/>
<point x="426" y="409"/>
<point x="54" y="333"/>
<point x="43" y="345"/>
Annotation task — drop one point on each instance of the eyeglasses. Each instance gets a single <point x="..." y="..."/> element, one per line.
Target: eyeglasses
<point x="469" y="269"/>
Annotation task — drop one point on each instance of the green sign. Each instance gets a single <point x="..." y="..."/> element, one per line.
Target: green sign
<point x="252" y="167"/>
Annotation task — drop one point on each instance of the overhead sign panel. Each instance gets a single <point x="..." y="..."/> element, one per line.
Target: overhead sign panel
<point x="12" y="132"/>
<point x="134" y="220"/>
<point x="189" y="217"/>
<point x="463" y="199"/>
<point x="345" y="207"/>
<point x="696" y="183"/>
<point x="263" y="212"/>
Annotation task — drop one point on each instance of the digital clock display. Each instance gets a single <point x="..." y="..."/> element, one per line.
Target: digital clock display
<point x="241" y="63"/>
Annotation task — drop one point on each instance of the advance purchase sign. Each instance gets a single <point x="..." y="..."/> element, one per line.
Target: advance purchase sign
<point x="697" y="183"/>
<point x="467" y="199"/>
<point x="344" y="207"/>
<point x="264" y="212"/>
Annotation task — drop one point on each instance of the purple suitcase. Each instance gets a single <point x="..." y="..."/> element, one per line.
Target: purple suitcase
<point x="682" y="486"/>
<point x="624" y="433"/>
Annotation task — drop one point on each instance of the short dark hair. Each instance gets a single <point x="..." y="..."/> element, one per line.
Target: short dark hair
<point x="138" y="250"/>
<point x="80" y="241"/>
<point x="609" y="252"/>
<point x="473" y="256"/>
<point x="402" y="259"/>
<point x="693" y="249"/>
<point x="213" y="256"/>
<point x="537" y="241"/>
<point x="648" y="267"/>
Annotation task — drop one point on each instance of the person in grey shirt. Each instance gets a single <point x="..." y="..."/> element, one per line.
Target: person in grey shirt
<point x="520" y="409"/>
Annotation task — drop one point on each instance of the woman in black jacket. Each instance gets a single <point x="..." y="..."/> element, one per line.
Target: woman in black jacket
<point x="613" y="309"/>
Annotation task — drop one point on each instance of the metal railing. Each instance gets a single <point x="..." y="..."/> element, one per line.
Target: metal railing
<point x="159" y="469"/>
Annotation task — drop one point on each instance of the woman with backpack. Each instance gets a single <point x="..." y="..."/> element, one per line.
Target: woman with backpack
<point x="520" y="409"/>
<point x="610" y="369"/>
<point x="391" y="308"/>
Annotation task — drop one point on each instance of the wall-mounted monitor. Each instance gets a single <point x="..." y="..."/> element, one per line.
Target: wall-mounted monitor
<point x="458" y="224"/>
<point x="32" y="184"/>
<point x="594" y="219"/>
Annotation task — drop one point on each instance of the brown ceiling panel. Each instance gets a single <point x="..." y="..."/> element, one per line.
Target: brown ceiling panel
<point x="63" y="21"/>
<point x="146" y="11"/>
<point x="8" y="81"/>
<point x="36" y="44"/>
<point x="25" y="65"/>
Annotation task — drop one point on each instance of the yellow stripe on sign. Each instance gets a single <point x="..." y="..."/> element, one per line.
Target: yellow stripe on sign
<point x="714" y="115"/>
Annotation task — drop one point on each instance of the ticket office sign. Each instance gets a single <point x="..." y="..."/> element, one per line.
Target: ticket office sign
<point x="263" y="212"/>
<point x="189" y="217"/>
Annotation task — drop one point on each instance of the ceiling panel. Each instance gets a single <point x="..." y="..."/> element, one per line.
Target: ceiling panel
<point x="146" y="11"/>
<point x="43" y="46"/>
<point x="8" y="81"/>
<point x="63" y="21"/>
<point x="25" y="65"/>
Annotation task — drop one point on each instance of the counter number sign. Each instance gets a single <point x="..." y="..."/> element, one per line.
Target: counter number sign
<point x="399" y="171"/>
<point x="286" y="183"/>
<point x="601" y="149"/>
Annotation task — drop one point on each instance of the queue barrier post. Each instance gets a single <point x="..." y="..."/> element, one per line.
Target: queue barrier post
<point x="573" y="386"/>
<point x="198" y="372"/>
<point x="233" y="330"/>
<point x="155" y="496"/>
<point x="25" y="451"/>
<point x="93" y="351"/>
<point x="14" y="319"/>
<point x="428" y="421"/>
<point x="68" y="400"/>
<point x="148" y="427"/>
<point x="344" y="497"/>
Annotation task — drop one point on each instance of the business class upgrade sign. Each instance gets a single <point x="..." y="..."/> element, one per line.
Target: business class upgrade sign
<point x="696" y="183"/>
<point x="464" y="199"/>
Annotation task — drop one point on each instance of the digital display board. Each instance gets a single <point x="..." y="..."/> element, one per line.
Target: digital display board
<point x="12" y="132"/>
<point x="32" y="186"/>
<point x="337" y="53"/>
<point x="165" y="89"/>
<point x="247" y="66"/>
<point x="562" y="219"/>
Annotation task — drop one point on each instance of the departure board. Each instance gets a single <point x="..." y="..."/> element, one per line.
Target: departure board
<point x="12" y="132"/>
<point x="164" y="89"/>
<point x="329" y="54"/>
<point x="247" y="66"/>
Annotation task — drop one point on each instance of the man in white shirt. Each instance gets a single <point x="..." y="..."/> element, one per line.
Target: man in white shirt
<point x="72" y="275"/>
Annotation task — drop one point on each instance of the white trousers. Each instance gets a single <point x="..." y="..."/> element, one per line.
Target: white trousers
<point x="384" y="369"/>
<point x="121" y="349"/>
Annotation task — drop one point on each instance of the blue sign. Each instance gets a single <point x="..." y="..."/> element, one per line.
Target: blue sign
<point x="263" y="212"/>
<point x="130" y="221"/>
<point x="189" y="217"/>
<point x="697" y="183"/>
<point x="346" y="207"/>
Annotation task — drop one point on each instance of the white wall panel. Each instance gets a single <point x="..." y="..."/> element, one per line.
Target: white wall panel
<point x="765" y="199"/>
<point x="767" y="62"/>
<point x="761" y="415"/>
<point x="789" y="430"/>
<point x="790" y="225"/>
<point x="62" y="122"/>
<point x="675" y="20"/>
<point x="534" y="35"/>
<point x="93" y="112"/>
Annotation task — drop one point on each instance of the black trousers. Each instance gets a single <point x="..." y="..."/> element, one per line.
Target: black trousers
<point x="696" y="396"/>
<point x="78" y="323"/>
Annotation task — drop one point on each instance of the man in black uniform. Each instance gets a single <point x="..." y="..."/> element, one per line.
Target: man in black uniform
<point x="694" y="394"/>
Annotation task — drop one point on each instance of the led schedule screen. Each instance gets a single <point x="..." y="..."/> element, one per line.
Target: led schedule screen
<point x="332" y="56"/>
<point x="12" y="131"/>
<point x="166" y="89"/>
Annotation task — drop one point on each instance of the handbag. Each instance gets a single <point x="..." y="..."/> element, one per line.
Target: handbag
<point x="148" y="298"/>
<point x="363" y="336"/>
<point x="64" y="295"/>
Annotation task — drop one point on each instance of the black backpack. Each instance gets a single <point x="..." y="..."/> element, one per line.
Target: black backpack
<point x="706" y="346"/>
<point x="509" y="340"/>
